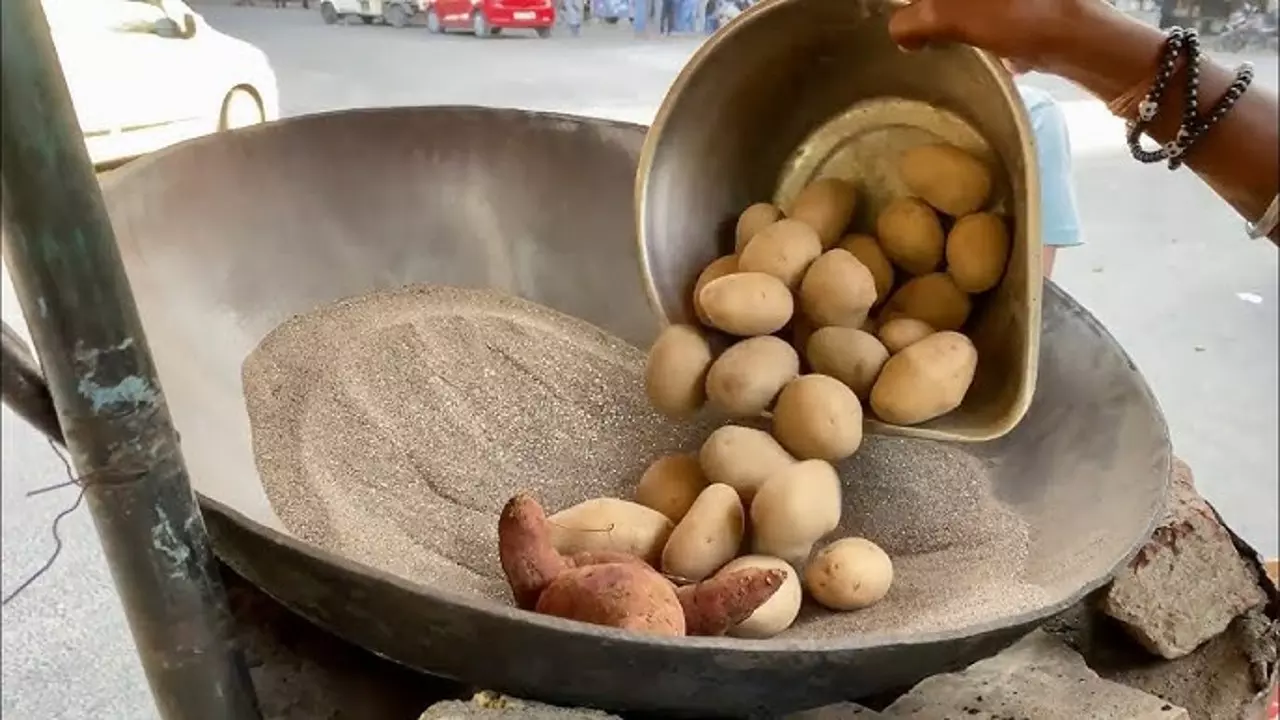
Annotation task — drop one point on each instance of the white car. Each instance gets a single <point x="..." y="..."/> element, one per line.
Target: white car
<point x="145" y="74"/>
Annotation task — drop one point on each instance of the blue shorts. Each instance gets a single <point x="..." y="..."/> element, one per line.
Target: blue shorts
<point x="1059" y="216"/>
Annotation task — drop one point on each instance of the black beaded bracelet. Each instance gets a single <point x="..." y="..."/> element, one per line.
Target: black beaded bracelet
<point x="1150" y="105"/>
<point x="1193" y="125"/>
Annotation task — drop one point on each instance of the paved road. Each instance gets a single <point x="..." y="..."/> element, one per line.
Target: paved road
<point x="1166" y="268"/>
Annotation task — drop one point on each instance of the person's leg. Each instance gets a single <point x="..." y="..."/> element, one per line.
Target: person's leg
<point x="1060" y="221"/>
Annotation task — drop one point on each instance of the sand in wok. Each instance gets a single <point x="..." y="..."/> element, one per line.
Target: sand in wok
<point x="391" y="428"/>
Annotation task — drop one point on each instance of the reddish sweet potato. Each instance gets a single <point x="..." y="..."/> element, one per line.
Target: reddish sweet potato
<point x="715" y="605"/>
<point x="626" y="595"/>
<point x="524" y="547"/>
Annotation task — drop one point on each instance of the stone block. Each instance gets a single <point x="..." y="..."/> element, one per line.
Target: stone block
<point x="493" y="706"/>
<point x="1039" y="678"/>
<point x="1188" y="582"/>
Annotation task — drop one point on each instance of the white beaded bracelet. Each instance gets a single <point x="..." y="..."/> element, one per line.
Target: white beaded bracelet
<point x="1267" y="223"/>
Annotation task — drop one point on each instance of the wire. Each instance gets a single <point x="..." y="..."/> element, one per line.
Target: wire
<point x="57" y="520"/>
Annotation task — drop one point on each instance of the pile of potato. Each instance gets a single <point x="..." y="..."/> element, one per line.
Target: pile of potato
<point x="821" y="324"/>
<point x="805" y="324"/>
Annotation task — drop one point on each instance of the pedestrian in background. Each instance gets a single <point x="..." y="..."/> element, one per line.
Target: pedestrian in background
<point x="640" y="11"/>
<point x="573" y="16"/>
<point x="666" y="16"/>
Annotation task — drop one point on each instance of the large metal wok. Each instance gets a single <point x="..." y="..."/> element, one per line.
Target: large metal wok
<point x="225" y="238"/>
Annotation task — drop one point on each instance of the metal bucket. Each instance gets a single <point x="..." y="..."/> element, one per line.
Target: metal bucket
<point x="225" y="238"/>
<point x="794" y="90"/>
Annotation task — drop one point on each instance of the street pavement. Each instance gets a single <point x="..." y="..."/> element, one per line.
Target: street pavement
<point x="1166" y="268"/>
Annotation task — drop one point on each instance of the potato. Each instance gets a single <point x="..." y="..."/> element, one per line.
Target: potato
<point x="746" y="378"/>
<point x="709" y="535"/>
<point x="977" y="251"/>
<point x="903" y="331"/>
<point x="817" y="416"/>
<point x="827" y="206"/>
<point x="911" y="236"/>
<point x="851" y="356"/>
<point x="783" y="250"/>
<point x="747" y="303"/>
<point x="718" y="268"/>
<point x="671" y="484"/>
<point x="946" y="177"/>
<point x="675" y="373"/>
<point x="837" y="290"/>
<point x="752" y="220"/>
<point x="611" y="524"/>
<point x="795" y="509"/>
<point x="849" y="574"/>
<point x="927" y="379"/>
<point x="779" y="611"/>
<point x="724" y="600"/>
<point x="742" y="458"/>
<point x="869" y="252"/>
<point x="629" y="596"/>
<point x="933" y="298"/>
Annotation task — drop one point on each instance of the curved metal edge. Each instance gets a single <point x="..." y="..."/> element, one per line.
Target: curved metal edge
<point x="1022" y="403"/>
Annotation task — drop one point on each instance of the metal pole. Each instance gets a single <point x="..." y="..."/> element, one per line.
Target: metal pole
<point x="67" y="272"/>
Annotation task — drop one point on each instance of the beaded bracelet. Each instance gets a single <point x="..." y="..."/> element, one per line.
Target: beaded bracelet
<point x="1193" y="125"/>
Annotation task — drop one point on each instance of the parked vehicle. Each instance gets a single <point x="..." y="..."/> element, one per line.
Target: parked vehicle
<point x="146" y="75"/>
<point x="396" y="13"/>
<point x="486" y="18"/>
<point x="610" y="11"/>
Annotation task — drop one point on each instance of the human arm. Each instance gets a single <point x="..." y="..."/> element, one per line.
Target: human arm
<point x="1109" y="54"/>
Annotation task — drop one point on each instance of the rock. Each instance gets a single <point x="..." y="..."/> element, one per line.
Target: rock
<point x="1212" y="683"/>
<point x="1039" y="677"/>
<point x="1188" y="582"/>
<point x="489" y="705"/>
<point x="839" y="711"/>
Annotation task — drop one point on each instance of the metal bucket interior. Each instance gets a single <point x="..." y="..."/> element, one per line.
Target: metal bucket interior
<point x="225" y="238"/>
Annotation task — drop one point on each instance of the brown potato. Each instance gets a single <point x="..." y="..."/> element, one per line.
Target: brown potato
<point x="783" y="250"/>
<point x="911" y="236"/>
<point x="933" y="298"/>
<point x="671" y="484"/>
<point x="709" y="536"/>
<point x="742" y="458"/>
<point x="837" y="290"/>
<point x="849" y="574"/>
<point x="946" y="177"/>
<point x="610" y="525"/>
<point x="818" y="417"/>
<point x="718" y="268"/>
<point x="866" y="249"/>
<point x="794" y="509"/>
<point x="752" y="220"/>
<point x="900" y="332"/>
<point x="977" y="251"/>
<point x="851" y="356"/>
<point x="745" y="379"/>
<point x="827" y="206"/>
<point x="927" y="379"/>
<point x="676" y="371"/>
<point x="747" y="304"/>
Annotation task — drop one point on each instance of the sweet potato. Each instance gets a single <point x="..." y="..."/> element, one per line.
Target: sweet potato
<point x="713" y="606"/>
<point x="528" y="558"/>
<point x="625" y="595"/>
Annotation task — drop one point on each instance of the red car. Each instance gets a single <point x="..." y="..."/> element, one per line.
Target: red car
<point x="486" y="18"/>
